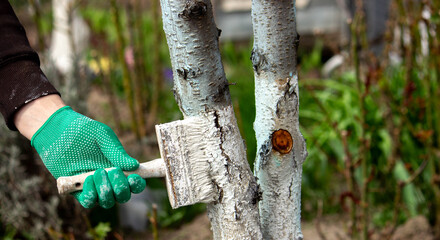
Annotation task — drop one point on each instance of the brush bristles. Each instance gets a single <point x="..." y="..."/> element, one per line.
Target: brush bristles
<point x="205" y="147"/>
<point x="188" y="148"/>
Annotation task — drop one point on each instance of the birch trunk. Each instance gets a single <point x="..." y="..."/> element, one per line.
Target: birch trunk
<point x="200" y="87"/>
<point x="281" y="148"/>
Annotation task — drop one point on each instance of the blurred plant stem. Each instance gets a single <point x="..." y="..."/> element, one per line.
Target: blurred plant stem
<point x="354" y="30"/>
<point x="393" y="128"/>
<point x="153" y="221"/>
<point x="349" y="161"/>
<point x="127" y="81"/>
<point x="418" y="64"/>
<point x="136" y="71"/>
<point x="398" y="196"/>
<point x="35" y="4"/>
<point x="140" y="55"/>
<point x="360" y="42"/>
<point x="157" y="65"/>
<point x="432" y="82"/>
<point x="106" y="80"/>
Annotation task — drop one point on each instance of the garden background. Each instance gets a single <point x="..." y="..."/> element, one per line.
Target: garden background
<point x="369" y="74"/>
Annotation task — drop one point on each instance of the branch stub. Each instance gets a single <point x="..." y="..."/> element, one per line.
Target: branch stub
<point x="194" y="10"/>
<point x="282" y="141"/>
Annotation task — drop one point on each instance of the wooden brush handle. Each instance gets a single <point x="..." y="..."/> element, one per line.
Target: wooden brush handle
<point x="150" y="169"/>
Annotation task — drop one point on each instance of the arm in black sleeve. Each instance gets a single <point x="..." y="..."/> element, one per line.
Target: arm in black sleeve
<point x="21" y="79"/>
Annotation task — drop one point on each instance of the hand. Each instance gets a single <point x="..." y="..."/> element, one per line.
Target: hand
<point x="70" y="144"/>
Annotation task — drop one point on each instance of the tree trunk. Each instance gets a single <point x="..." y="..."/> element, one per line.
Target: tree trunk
<point x="70" y="38"/>
<point x="281" y="148"/>
<point x="200" y="87"/>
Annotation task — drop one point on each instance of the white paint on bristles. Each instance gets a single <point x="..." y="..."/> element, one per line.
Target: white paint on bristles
<point x="187" y="147"/>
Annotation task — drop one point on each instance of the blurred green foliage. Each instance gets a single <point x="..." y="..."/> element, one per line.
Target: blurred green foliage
<point x="329" y="106"/>
<point x="100" y="21"/>
<point x="100" y="231"/>
<point x="389" y="122"/>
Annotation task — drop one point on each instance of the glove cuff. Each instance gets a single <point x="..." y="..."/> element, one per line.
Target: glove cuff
<point x="53" y="128"/>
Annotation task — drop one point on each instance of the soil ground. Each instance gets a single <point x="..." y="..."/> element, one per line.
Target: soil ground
<point x="332" y="228"/>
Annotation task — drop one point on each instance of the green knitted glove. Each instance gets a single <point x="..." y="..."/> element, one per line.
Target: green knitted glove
<point x="71" y="144"/>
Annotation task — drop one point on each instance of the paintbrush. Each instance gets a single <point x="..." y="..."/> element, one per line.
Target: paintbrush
<point x="187" y="148"/>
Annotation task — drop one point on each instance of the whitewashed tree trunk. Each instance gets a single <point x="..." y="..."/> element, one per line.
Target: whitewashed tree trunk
<point x="70" y="38"/>
<point x="200" y="87"/>
<point x="70" y="35"/>
<point x="281" y="149"/>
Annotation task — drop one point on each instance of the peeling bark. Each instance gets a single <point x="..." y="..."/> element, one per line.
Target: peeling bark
<point x="281" y="148"/>
<point x="200" y="87"/>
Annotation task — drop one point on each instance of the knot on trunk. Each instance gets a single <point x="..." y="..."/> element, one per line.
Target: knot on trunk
<point x="259" y="61"/>
<point x="194" y="10"/>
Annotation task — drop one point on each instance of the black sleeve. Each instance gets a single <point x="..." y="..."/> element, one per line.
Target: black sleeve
<point x="21" y="79"/>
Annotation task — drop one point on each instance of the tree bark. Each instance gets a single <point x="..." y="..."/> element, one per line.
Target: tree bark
<point x="281" y="148"/>
<point x="200" y="87"/>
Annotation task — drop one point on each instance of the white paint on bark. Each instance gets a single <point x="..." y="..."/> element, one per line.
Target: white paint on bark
<point x="200" y="87"/>
<point x="277" y="104"/>
<point x="70" y="38"/>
